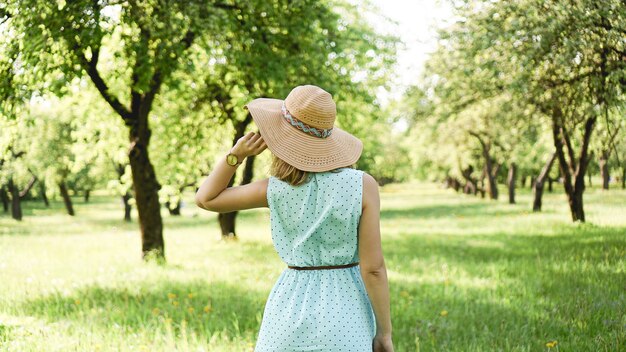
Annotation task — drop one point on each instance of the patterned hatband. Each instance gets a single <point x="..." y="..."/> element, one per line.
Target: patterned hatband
<point x="315" y="132"/>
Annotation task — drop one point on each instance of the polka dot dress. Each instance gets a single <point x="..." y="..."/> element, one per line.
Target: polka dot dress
<point x="316" y="224"/>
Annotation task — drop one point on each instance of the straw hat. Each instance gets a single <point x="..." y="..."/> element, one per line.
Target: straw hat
<point x="300" y="130"/>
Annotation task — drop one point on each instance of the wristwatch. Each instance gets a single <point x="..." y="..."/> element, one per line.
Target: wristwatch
<point x="232" y="159"/>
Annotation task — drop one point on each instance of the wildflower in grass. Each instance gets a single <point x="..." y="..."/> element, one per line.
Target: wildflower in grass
<point x="552" y="344"/>
<point x="168" y="321"/>
<point x="207" y="309"/>
<point x="404" y="293"/>
<point x="155" y="311"/>
<point x="175" y="303"/>
<point x="77" y="301"/>
<point x="171" y="295"/>
<point x="190" y="295"/>
<point x="190" y="309"/>
<point x="444" y="313"/>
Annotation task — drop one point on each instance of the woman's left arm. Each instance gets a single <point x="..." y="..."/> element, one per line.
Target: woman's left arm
<point x="214" y="193"/>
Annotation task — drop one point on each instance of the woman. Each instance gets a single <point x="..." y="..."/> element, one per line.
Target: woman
<point x="324" y="217"/>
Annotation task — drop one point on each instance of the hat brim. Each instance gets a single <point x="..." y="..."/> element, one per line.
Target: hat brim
<point x="299" y="149"/>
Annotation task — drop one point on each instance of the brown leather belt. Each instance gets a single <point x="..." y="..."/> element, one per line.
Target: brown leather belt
<point x="325" y="267"/>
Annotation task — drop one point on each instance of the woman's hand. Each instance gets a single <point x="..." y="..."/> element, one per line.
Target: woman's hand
<point x="250" y="144"/>
<point x="382" y="344"/>
<point x="214" y="194"/>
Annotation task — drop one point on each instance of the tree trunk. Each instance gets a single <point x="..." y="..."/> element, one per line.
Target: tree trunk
<point x="481" y="186"/>
<point x="66" y="198"/>
<point x="511" y="179"/>
<point x="227" y="224"/>
<point x="489" y="171"/>
<point x="227" y="220"/>
<point x="44" y="196"/>
<point x="87" y="195"/>
<point x="248" y="170"/>
<point x="127" y="206"/>
<point x="120" y="169"/>
<point x="5" y="199"/>
<point x="539" y="183"/>
<point x="16" y="205"/>
<point x="175" y="211"/>
<point x="492" y="186"/>
<point x="452" y="182"/>
<point x="589" y="177"/>
<point x="146" y="189"/>
<point x="470" y="183"/>
<point x="550" y="181"/>
<point x="29" y="186"/>
<point x="604" y="168"/>
<point x="624" y="177"/>
<point x="574" y="170"/>
<point x="456" y="184"/>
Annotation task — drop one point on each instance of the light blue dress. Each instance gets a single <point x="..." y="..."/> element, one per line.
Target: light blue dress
<point x="316" y="224"/>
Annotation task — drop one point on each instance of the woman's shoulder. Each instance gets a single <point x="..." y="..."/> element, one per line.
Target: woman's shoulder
<point x="349" y="170"/>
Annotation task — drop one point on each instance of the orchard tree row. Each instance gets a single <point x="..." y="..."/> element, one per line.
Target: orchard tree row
<point x="516" y="87"/>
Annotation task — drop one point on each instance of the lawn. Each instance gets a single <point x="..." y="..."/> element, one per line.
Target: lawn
<point x="466" y="274"/>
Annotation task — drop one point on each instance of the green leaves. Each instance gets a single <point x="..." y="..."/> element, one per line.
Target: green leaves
<point x="504" y="66"/>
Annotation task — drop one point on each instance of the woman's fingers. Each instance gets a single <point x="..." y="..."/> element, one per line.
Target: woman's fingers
<point x="249" y="135"/>
<point x="257" y="141"/>
<point x="252" y="137"/>
<point x="260" y="148"/>
<point x="252" y="143"/>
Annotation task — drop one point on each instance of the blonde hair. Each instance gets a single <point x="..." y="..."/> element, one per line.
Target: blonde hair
<point x="290" y="174"/>
<point x="287" y="173"/>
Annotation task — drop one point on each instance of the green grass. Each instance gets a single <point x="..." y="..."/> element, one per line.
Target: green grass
<point x="466" y="274"/>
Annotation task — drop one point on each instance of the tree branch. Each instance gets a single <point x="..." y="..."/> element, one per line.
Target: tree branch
<point x="91" y="67"/>
<point x="570" y="150"/>
<point x="584" y="149"/>
<point x="223" y="6"/>
<point x="4" y="16"/>
<point x="563" y="164"/>
<point x="30" y="185"/>
<point x="475" y="134"/>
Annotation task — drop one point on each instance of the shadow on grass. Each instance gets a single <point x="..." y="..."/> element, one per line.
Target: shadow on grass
<point x="517" y="291"/>
<point x="198" y="307"/>
<point x="471" y="210"/>
<point x="38" y="219"/>
<point x="569" y="243"/>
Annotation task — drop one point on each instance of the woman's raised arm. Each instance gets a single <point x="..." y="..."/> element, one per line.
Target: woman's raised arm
<point x="214" y="193"/>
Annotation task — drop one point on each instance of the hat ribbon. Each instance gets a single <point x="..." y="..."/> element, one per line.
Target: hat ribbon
<point x="315" y="132"/>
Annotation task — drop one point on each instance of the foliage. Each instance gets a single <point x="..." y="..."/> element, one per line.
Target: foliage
<point x="512" y="72"/>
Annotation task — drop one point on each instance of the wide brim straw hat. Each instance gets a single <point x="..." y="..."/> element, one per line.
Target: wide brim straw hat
<point x="300" y="130"/>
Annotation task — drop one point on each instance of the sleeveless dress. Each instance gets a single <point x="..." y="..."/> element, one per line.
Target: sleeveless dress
<point x="316" y="224"/>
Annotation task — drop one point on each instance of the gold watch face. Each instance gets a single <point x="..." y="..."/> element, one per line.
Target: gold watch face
<point x="231" y="159"/>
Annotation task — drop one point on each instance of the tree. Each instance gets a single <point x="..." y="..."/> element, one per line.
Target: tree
<point x="151" y="37"/>
<point x="574" y="73"/>
<point x="562" y="60"/>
